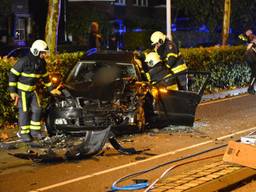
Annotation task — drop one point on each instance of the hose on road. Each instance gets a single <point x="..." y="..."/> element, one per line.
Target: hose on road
<point x="138" y="186"/>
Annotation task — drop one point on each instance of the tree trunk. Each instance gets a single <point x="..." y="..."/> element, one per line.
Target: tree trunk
<point x="52" y="23"/>
<point x="226" y="22"/>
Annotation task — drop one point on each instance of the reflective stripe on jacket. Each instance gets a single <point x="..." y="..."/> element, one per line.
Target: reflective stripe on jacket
<point x="27" y="72"/>
<point x="170" y="54"/>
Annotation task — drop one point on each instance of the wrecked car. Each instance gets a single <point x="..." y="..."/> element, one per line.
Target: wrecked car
<point x="104" y="92"/>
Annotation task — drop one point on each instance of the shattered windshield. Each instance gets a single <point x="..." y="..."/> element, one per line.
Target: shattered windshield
<point x="100" y="71"/>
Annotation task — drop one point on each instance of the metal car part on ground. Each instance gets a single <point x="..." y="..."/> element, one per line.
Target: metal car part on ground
<point x="64" y="147"/>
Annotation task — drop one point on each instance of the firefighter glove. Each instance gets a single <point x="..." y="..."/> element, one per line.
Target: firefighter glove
<point x="56" y="92"/>
<point x="14" y="96"/>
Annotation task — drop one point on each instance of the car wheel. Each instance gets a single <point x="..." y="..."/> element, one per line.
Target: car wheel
<point x="49" y="124"/>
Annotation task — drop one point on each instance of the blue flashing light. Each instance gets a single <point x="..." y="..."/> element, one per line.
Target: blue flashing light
<point x="120" y="30"/>
<point x="203" y="28"/>
<point x="174" y="27"/>
<point x="21" y="43"/>
<point x="119" y="21"/>
<point x="91" y="51"/>
<point x="137" y="30"/>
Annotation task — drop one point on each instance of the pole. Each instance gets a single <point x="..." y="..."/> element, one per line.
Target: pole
<point x="168" y="19"/>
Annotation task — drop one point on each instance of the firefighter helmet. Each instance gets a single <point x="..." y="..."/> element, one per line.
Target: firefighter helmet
<point x="157" y="37"/>
<point x="248" y="32"/>
<point x="38" y="46"/>
<point x="152" y="59"/>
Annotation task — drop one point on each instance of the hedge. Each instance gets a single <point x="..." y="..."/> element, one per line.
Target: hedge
<point x="226" y="65"/>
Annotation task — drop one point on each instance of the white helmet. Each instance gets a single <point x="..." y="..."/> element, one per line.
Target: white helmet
<point x="248" y="32"/>
<point x="152" y="59"/>
<point x="157" y="37"/>
<point x="38" y="46"/>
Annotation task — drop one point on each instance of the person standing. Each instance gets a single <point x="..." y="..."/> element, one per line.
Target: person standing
<point x="23" y="81"/>
<point x="250" y="57"/>
<point x="170" y="55"/>
<point x="95" y="38"/>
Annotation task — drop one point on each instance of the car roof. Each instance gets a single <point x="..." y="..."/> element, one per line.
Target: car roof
<point x="122" y="56"/>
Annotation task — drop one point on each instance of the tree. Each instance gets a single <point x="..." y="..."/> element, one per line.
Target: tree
<point x="211" y="13"/>
<point x="52" y="23"/>
<point x="243" y="15"/>
<point x="5" y="7"/>
<point x="226" y="22"/>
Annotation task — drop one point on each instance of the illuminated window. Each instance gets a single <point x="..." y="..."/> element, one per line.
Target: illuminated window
<point x="20" y="32"/>
<point x="120" y="2"/>
<point x="140" y="3"/>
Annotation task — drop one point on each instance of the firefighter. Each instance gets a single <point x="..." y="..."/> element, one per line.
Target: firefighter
<point x="250" y="57"/>
<point x="169" y="53"/>
<point x="138" y="61"/>
<point x="158" y="72"/>
<point x="23" y="80"/>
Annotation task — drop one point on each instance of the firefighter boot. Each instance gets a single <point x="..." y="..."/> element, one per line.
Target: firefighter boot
<point x="37" y="134"/>
<point x="24" y="137"/>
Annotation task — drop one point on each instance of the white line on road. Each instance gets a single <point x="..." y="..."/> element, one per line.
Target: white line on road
<point x="139" y="162"/>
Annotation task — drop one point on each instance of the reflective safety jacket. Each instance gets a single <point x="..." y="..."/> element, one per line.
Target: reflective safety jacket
<point x="27" y="72"/>
<point x="157" y="72"/>
<point x="170" y="54"/>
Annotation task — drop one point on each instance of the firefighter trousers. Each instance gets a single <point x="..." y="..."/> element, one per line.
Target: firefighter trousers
<point x="253" y="76"/>
<point x="29" y="112"/>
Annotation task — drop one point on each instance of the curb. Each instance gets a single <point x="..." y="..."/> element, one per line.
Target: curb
<point x="224" y="94"/>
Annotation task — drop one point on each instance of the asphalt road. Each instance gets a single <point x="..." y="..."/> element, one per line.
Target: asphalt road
<point x="216" y="123"/>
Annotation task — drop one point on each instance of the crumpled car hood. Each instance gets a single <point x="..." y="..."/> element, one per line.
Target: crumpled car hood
<point x="92" y="90"/>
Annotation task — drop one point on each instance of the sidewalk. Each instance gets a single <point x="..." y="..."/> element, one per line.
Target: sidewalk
<point x="223" y="94"/>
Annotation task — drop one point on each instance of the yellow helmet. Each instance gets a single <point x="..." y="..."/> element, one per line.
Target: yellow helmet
<point x="152" y="59"/>
<point x="38" y="46"/>
<point x="157" y="37"/>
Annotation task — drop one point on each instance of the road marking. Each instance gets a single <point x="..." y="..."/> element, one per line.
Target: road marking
<point x="222" y="100"/>
<point x="142" y="161"/>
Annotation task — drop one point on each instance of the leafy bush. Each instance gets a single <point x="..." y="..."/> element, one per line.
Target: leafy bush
<point x="63" y="62"/>
<point x="7" y="111"/>
<point x="226" y="65"/>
